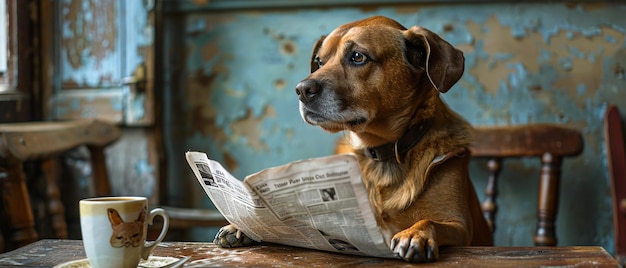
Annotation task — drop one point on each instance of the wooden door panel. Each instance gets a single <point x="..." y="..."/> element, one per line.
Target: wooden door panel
<point x="91" y="44"/>
<point x="89" y="103"/>
<point x="104" y="55"/>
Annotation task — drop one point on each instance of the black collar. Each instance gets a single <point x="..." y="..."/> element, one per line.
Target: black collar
<point x="394" y="149"/>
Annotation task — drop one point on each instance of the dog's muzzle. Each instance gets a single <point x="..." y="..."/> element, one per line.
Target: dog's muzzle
<point x="321" y="105"/>
<point x="314" y="107"/>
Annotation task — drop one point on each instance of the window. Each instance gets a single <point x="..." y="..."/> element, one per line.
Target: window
<point x="8" y="49"/>
<point x="3" y="38"/>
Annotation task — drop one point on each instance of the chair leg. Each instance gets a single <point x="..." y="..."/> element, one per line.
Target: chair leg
<point x="99" y="171"/>
<point x="616" y="156"/>
<point x="489" y="206"/>
<point x="17" y="206"/>
<point x="56" y="210"/>
<point x="547" y="203"/>
<point x="1" y="242"/>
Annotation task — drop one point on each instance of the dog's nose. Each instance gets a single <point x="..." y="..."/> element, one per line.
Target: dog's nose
<point x="307" y="89"/>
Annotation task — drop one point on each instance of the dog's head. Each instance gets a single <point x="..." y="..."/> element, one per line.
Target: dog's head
<point x="375" y="77"/>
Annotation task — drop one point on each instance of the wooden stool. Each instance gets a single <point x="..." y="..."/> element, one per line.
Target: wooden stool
<point x="20" y="142"/>
<point x="550" y="143"/>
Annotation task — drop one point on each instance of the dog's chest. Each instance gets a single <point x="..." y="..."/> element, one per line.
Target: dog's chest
<point x="385" y="185"/>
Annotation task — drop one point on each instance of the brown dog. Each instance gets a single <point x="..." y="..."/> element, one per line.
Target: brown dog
<point x="381" y="82"/>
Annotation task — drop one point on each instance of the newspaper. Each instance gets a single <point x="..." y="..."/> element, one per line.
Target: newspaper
<point x="318" y="203"/>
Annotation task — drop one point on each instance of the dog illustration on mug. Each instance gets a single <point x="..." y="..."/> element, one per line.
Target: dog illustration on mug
<point x="126" y="234"/>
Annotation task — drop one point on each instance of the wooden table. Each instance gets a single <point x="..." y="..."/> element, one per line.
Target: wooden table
<point x="48" y="253"/>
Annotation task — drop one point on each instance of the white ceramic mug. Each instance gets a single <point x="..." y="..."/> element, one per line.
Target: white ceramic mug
<point x="114" y="230"/>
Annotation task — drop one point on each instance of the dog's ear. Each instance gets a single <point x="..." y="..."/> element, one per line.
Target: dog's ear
<point x="443" y="63"/>
<point x="316" y="47"/>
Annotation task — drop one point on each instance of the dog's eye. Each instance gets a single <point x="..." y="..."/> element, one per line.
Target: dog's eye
<point x="319" y="61"/>
<point x="358" y="58"/>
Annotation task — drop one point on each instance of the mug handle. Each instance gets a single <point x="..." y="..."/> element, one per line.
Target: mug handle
<point x="150" y="245"/>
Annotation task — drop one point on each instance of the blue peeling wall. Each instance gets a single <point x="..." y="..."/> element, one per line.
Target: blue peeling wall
<point x="230" y="77"/>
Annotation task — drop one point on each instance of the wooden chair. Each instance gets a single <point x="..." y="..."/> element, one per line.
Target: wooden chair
<point x="21" y="142"/>
<point x="549" y="143"/>
<point x="616" y="154"/>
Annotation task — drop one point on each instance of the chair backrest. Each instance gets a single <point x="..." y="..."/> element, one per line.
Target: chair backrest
<point x="616" y="154"/>
<point x="31" y="140"/>
<point x="20" y="142"/>
<point x="548" y="142"/>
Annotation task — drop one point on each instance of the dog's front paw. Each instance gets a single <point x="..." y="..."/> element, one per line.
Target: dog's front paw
<point x="231" y="237"/>
<point x="415" y="246"/>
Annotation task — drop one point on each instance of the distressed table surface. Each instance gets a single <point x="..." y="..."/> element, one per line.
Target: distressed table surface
<point x="48" y="253"/>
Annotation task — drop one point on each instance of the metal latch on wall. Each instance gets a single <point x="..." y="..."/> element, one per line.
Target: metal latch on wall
<point x="138" y="79"/>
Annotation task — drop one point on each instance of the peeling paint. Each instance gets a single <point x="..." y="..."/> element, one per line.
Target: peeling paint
<point x="74" y="104"/>
<point x="249" y="127"/>
<point x="280" y="84"/>
<point x="100" y="46"/>
<point x="89" y="22"/>
<point x="134" y="173"/>
<point x="137" y="105"/>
